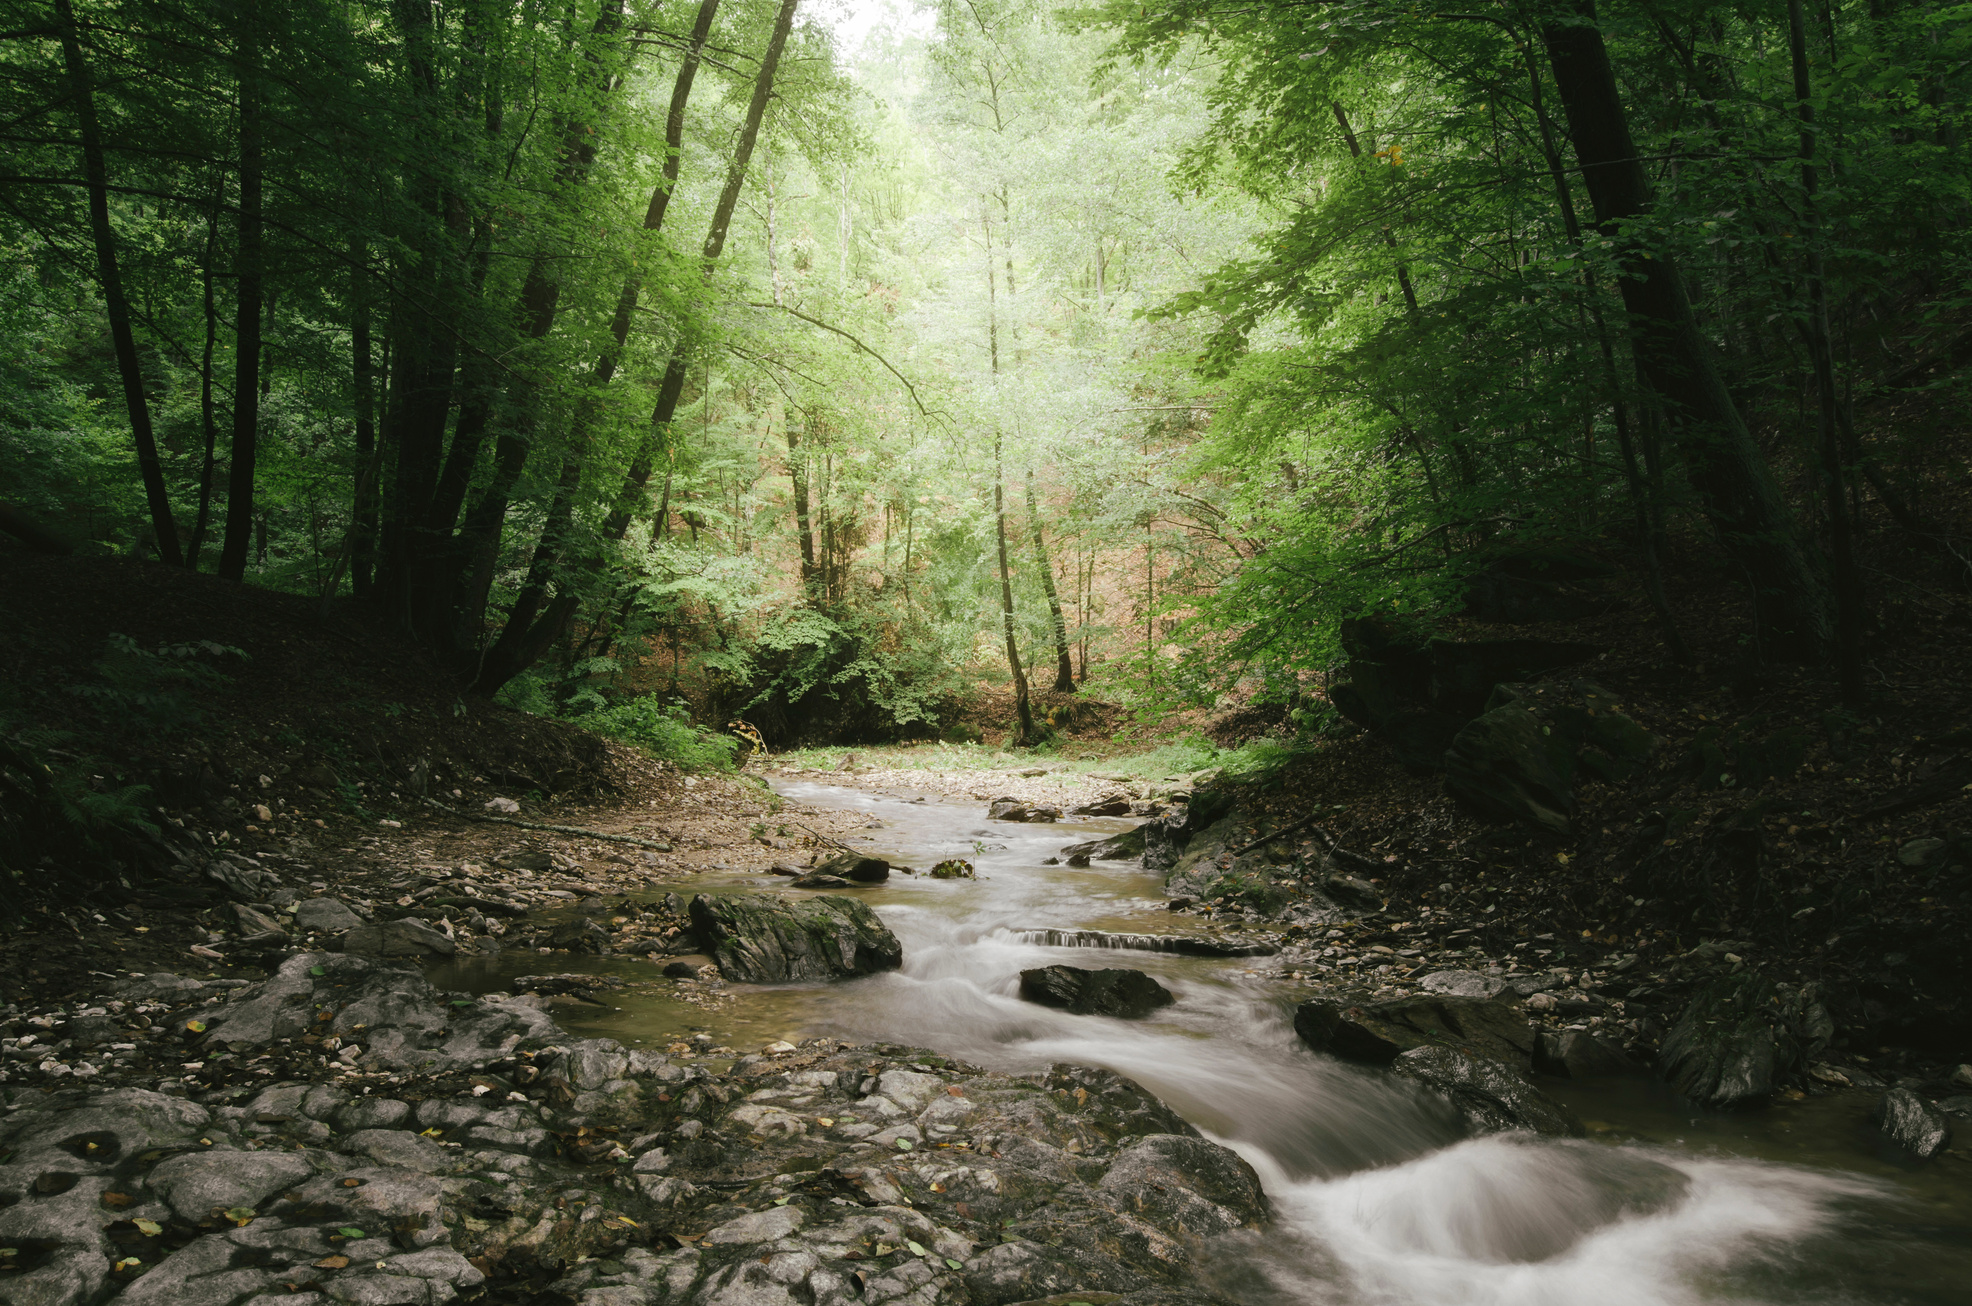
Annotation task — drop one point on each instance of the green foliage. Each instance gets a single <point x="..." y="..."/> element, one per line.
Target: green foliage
<point x="60" y="820"/>
<point x="154" y="691"/>
<point x="663" y="728"/>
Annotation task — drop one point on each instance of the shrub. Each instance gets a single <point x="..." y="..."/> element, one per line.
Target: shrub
<point x="663" y="728"/>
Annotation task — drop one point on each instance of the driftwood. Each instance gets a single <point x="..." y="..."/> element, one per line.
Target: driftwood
<point x="552" y="829"/>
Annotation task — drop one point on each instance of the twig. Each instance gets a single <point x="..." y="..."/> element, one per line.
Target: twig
<point x="815" y="321"/>
<point x="1299" y="825"/>
<point x="555" y="829"/>
<point x="824" y="838"/>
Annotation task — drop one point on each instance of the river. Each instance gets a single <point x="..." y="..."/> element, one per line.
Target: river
<point x="1380" y="1200"/>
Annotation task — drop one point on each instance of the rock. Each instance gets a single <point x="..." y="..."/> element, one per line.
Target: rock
<point x="1462" y="984"/>
<point x="1125" y="994"/>
<point x="954" y="869"/>
<point x="1491" y="1097"/>
<point x="582" y="935"/>
<point x="400" y="1147"/>
<point x="1108" y="805"/>
<point x="782" y="868"/>
<point x="1962" y="1076"/>
<point x="402" y="1022"/>
<point x="1501" y="768"/>
<point x="1017" y="809"/>
<point x="503" y="806"/>
<point x="254" y="921"/>
<point x="1578" y="1054"/>
<point x="402" y="938"/>
<point x="824" y="882"/>
<point x="759" y="940"/>
<point x="1123" y="847"/>
<point x="1912" y="1123"/>
<point x="325" y="916"/>
<point x="855" y="866"/>
<point x="195" y="1184"/>
<point x="1958" y="1105"/>
<point x="1188" y="1184"/>
<point x="681" y="970"/>
<point x="1378" y="1032"/>
<point x="1921" y="853"/>
<point x="1735" y="1044"/>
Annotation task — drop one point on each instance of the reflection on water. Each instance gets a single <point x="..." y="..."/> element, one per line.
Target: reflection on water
<point x="1380" y="1200"/>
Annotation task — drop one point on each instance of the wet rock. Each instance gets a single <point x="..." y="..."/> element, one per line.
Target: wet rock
<point x="1492" y="1098"/>
<point x="1378" y="1032"/>
<point x="1912" y="1123"/>
<point x="855" y="866"/>
<point x="1019" y="809"/>
<point x="1108" y="805"/>
<point x="782" y="868"/>
<point x="196" y="1184"/>
<point x="1123" y="847"/>
<point x="1579" y="1054"/>
<point x="253" y="921"/>
<point x="824" y="882"/>
<point x="1500" y="767"/>
<point x="1735" y="1044"/>
<point x="386" y="1007"/>
<point x="1125" y="994"/>
<point x="401" y="938"/>
<point x="580" y="936"/>
<point x="681" y="970"/>
<point x="1922" y="853"/>
<point x="1186" y="1183"/>
<point x="1185" y="945"/>
<point x="1352" y="891"/>
<point x="1462" y="984"/>
<point x="325" y="916"/>
<point x="762" y="940"/>
<point x="954" y="869"/>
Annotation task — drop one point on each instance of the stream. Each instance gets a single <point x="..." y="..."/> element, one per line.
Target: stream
<point x="1379" y="1198"/>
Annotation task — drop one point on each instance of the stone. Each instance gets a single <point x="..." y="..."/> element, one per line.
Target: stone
<point x="195" y="1183"/>
<point x="1962" y="1076"/>
<point x="1378" y="1032"/>
<point x="363" y="1113"/>
<point x="253" y="921"/>
<point x="764" y="940"/>
<point x="399" y="1147"/>
<point x="1579" y="1054"/>
<point x="1462" y="984"/>
<point x="681" y="970"/>
<point x="325" y="916"/>
<point x="1734" y="1045"/>
<point x="1108" y="805"/>
<point x="401" y="938"/>
<point x="1124" y="847"/>
<point x="954" y="869"/>
<point x="1125" y="994"/>
<point x="1922" y="853"/>
<point x="503" y="806"/>
<point x="1501" y="768"/>
<point x="856" y="867"/>
<point x="1912" y="1123"/>
<point x="1188" y="1184"/>
<point x="582" y="935"/>
<point x="1490" y="1097"/>
<point x="782" y="868"/>
<point x="823" y="882"/>
<point x="1017" y="809"/>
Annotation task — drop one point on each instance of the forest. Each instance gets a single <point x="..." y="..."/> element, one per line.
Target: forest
<point x="669" y="362"/>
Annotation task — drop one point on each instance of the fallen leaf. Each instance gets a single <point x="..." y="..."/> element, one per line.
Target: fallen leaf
<point x="240" y="1215"/>
<point x="953" y="1264"/>
<point x="196" y="1026"/>
<point x="332" y="1263"/>
<point x="905" y="1144"/>
<point x="350" y="1231"/>
<point x="149" y="1228"/>
<point x="117" y="1199"/>
<point x="917" y="1249"/>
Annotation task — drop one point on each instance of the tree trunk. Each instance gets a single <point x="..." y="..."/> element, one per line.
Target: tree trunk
<point x="208" y="419"/>
<point x="1022" y="709"/>
<point x="363" y="508"/>
<point x="1848" y="581"/>
<point x="247" y="313"/>
<point x="525" y="637"/>
<point x="96" y="172"/>
<point x="1733" y="480"/>
<point x="1064" y="672"/>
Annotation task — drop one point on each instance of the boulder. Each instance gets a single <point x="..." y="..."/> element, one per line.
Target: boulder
<point x="857" y="867"/>
<point x="406" y="938"/>
<point x="1186" y="1183"/>
<point x="1019" y="809"/>
<point x="766" y="940"/>
<point x="1123" y="847"/>
<point x="1501" y="768"/>
<point x="1579" y="1054"/>
<point x="582" y="935"/>
<point x="1125" y="994"/>
<point x="1110" y="805"/>
<point x="1912" y="1123"/>
<point x="325" y="916"/>
<point x="1378" y="1032"/>
<point x="1735" y="1044"/>
<point x="824" y="882"/>
<point x="1462" y="984"/>
<point x="1492" y="1098"/>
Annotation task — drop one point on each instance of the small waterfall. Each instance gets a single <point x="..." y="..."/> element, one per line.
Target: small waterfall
<point x="1183" y="945"/>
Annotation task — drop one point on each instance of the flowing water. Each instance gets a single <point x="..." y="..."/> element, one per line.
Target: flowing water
<point x="1379" y="1198"/>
